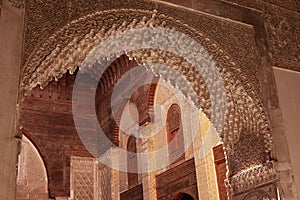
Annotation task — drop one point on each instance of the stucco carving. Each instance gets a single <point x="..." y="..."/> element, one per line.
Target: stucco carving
<point x="236" y="117"/>
<point x="66" y="48"/>
<point x="17" y="3"/>
<point x="283" y="37"/>
<point x="264" y="192"/>
<point x="282" y="29"/>
<point x="105" y="182"/>
<point x="254" y="177"/>
<point x="83" y="178"/>
<point x="257" y="195"/>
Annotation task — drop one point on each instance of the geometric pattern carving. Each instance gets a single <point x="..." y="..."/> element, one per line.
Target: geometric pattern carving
<point x="82" y="183"/>
<point x="83" y="178"/>
<point x="105" y="182"/>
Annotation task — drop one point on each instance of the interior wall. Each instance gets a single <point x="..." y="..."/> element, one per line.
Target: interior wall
<point x="288" y="83"/>
<point x="40" y="111"/>
<point x="166" y="95"/>
<point x="11" y="34"/>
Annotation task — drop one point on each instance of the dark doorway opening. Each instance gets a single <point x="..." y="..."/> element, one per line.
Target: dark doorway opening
<point x="183" y="196"/>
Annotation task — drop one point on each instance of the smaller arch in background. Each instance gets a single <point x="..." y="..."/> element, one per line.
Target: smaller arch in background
<point x="175" y="134"/>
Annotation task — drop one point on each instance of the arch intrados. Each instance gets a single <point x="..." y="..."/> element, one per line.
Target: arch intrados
<point x="240" y="89"/>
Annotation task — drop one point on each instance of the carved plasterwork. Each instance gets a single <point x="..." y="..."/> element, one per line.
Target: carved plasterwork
<point x="253" y="177"/>
<point x="105" y="182"/>
<point x="47" y="16"/>
<point x="245" y="147"/>
<point x="67" y="47"/>
<point x="282" y="27"/>
<point x="31" y="175"/>
<point x="260" y="4"/>
<point x="17" y="3"/>
<point x="257" y="195"/>
<point x="283" y="36"/>
<point x="83" y="178"/>
<point x="265" y="192"/>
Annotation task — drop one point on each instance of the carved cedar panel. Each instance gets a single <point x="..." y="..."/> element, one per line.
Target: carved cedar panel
<point x="135" y="193"/>
<point x="180" y="179"/>
<point x="83" y="178"/>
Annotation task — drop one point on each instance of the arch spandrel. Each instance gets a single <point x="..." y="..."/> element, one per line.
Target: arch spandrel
<point x="67" y="48"/>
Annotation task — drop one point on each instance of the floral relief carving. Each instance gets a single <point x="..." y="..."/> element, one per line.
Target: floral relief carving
<point x="67" y="47"/>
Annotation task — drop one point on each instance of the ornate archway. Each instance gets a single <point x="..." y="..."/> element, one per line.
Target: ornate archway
<point x="246" y="121"/>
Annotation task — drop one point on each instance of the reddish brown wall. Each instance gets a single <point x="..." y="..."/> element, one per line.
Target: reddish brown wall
<point x="135" y="193"/>
<point x="180" y="179"/>
<point x="48" y="122"/>
<point x="220" y="164"/>
<point x="143" y="96"/>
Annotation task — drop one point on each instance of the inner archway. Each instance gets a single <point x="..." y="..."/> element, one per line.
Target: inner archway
<point x="244" y="110"/>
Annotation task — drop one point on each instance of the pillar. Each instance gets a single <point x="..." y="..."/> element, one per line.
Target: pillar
<point x="11" y="36"/>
